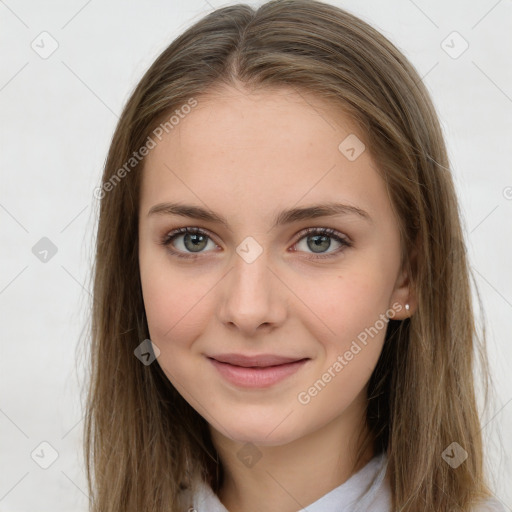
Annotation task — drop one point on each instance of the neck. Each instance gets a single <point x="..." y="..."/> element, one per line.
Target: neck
<point x="291" y="476"/>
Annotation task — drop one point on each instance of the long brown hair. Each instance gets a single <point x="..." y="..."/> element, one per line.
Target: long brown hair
<point x="142" y="440"/>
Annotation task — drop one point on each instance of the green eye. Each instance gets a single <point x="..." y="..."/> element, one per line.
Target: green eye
<point x="195" y="240"/>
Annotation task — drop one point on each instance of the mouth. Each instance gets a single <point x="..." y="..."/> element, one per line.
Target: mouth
<point x="256" y="371"/>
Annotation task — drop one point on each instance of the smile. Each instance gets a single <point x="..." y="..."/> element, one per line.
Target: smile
<point x="256" y="371"/>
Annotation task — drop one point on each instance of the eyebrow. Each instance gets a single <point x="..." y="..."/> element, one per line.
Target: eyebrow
<point x="282" y="218"/>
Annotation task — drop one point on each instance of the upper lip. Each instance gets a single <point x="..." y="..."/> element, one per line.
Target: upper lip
<point x="261" y="360"/>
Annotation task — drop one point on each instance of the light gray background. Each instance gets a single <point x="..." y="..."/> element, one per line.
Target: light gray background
<point x="58" y="116"/>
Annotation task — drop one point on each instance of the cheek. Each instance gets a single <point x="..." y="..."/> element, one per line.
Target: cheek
<point x="175" y="315"/>
<point x="352" y="335"/>
<point x="341" y="305"/>
<point x="173" y="300"/>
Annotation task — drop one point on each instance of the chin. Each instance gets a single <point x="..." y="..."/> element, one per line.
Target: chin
<point x="270" y="431"/>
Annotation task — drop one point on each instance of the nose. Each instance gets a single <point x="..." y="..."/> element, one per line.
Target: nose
<point x="253" y="297"/>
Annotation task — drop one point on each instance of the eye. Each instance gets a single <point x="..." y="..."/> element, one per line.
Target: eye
<point x="318" y="240"/>
<point x="195" y="240"/>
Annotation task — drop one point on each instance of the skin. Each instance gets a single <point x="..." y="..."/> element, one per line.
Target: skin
<point x="247" y="156"/>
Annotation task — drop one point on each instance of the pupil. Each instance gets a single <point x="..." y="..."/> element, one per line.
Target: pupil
<point x="196" y="240"/>
<point x="318" y="240"/>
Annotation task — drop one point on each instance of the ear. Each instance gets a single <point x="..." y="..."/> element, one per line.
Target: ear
<point x="404" y="292"/>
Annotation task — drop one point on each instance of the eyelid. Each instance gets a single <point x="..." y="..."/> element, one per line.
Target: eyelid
<point x="320" y="229"/>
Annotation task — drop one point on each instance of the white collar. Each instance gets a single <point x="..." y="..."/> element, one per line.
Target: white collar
<point x="365" y="491"/>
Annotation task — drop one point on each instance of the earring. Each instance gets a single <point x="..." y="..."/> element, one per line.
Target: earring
<point x="407" y="307"/>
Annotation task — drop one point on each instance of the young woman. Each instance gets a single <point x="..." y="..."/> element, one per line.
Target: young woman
<point x="282" y="317"/>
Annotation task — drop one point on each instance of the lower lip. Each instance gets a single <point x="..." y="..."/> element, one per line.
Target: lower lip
<point x="263" y="377"/>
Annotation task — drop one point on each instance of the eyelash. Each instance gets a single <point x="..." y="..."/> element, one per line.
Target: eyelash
<point x="331" y="233"/>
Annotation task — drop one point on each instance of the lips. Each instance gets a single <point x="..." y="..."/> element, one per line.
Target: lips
<point x="260" y="371"/>
<point x="260" y="361"/>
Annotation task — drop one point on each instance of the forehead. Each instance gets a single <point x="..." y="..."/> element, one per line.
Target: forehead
<point x="251" y="150"/>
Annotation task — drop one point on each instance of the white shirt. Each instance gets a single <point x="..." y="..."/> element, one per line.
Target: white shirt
<point x="365" y="491"/>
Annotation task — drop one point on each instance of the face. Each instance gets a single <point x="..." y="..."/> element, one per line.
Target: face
<point x="269" y="316"/>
